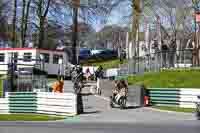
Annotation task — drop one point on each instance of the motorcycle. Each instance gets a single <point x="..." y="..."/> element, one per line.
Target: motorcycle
<point x="198" y="108"/>
<point x="119" y="99"/>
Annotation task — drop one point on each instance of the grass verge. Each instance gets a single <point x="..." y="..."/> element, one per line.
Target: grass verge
<point x="113" y="63"/>
<point x="175" y="109"/>
<point x="28" y="117"/>
<point x="168" y="79"/>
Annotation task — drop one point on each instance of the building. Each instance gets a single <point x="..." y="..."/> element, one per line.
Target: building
<point x="32" y="57"/>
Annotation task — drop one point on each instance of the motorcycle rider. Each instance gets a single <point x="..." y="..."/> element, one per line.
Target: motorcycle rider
<point x="76" y="70"/>
<point x="118" y="85"/>
<point x="78" y="79"/>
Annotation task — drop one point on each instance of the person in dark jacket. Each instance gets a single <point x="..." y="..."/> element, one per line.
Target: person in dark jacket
<point x="172" y="53"/>
<point x="99" y="72"/>
<point x="164" y="55"/>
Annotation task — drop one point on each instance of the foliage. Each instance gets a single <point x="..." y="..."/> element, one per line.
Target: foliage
<point x="168" y="79"/>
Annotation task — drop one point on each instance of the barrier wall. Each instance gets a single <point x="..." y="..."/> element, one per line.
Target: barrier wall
<point x="57" y="103"/>
<point x="184" y="98"/>
<point x="40" y="102"/>
<point x="136" y="96"/>
<point x="23" y="102"/>
<point x="4" y="107"/>
<point x="106" y="87"/>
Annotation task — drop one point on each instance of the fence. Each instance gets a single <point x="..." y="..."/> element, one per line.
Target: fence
<point x="40" y="102"/>
<point x="184" y="98"/>
<point x="157" y="61"/>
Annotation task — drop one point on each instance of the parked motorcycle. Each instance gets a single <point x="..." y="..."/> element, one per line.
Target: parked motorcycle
<point x="119" y="99"/>
<point x="198" y="108"/>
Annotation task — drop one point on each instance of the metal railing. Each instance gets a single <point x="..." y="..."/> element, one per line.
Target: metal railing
<point x="26" y="75"/>
<point x="155" y="62"/>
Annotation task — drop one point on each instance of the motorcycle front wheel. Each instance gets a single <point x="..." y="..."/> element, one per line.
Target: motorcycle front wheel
<point x="197" y="115"/>
<point x="122" y="103"/>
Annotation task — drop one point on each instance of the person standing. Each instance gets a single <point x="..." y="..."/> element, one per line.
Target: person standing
<point x="98" y="76"/>
<point x="164" y="55"/>
<point x="172" y="54"/>
<point x="88" y="74"/>
<point x="57" y="87"/>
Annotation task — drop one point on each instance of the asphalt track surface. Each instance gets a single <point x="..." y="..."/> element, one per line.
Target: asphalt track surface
<point x="61" y="127"/>
<point x="98" y="117"/>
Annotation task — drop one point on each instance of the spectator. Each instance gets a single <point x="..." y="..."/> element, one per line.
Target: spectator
<point x="172" y="53"/>
<point x="164" y="55"/>
<point x="58" y="86"/>
<point x="88" y="74"/>
<point x="98" y="76"/>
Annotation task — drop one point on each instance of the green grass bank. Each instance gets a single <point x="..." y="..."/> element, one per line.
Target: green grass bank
<point x="168" y="79"/>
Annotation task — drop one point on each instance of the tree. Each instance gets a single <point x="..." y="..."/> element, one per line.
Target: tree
<point x="14" y="39"/>
<point x="42" y="7"/>
<point x="76" y="5"/>
<point x="3" y="22"/>
<point x="24" y="21"/>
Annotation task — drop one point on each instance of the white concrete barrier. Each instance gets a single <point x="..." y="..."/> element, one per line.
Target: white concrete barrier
<point x="112" y="72"/>
<point x="57" y="103"/>
<point x="46" y="103"/>
<point x="183" y="97"/>
<point x="4" y="106"/>
<point x="190" y="92"/>
<point x="182" y="65"/>
<point x="187" y="105"/>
